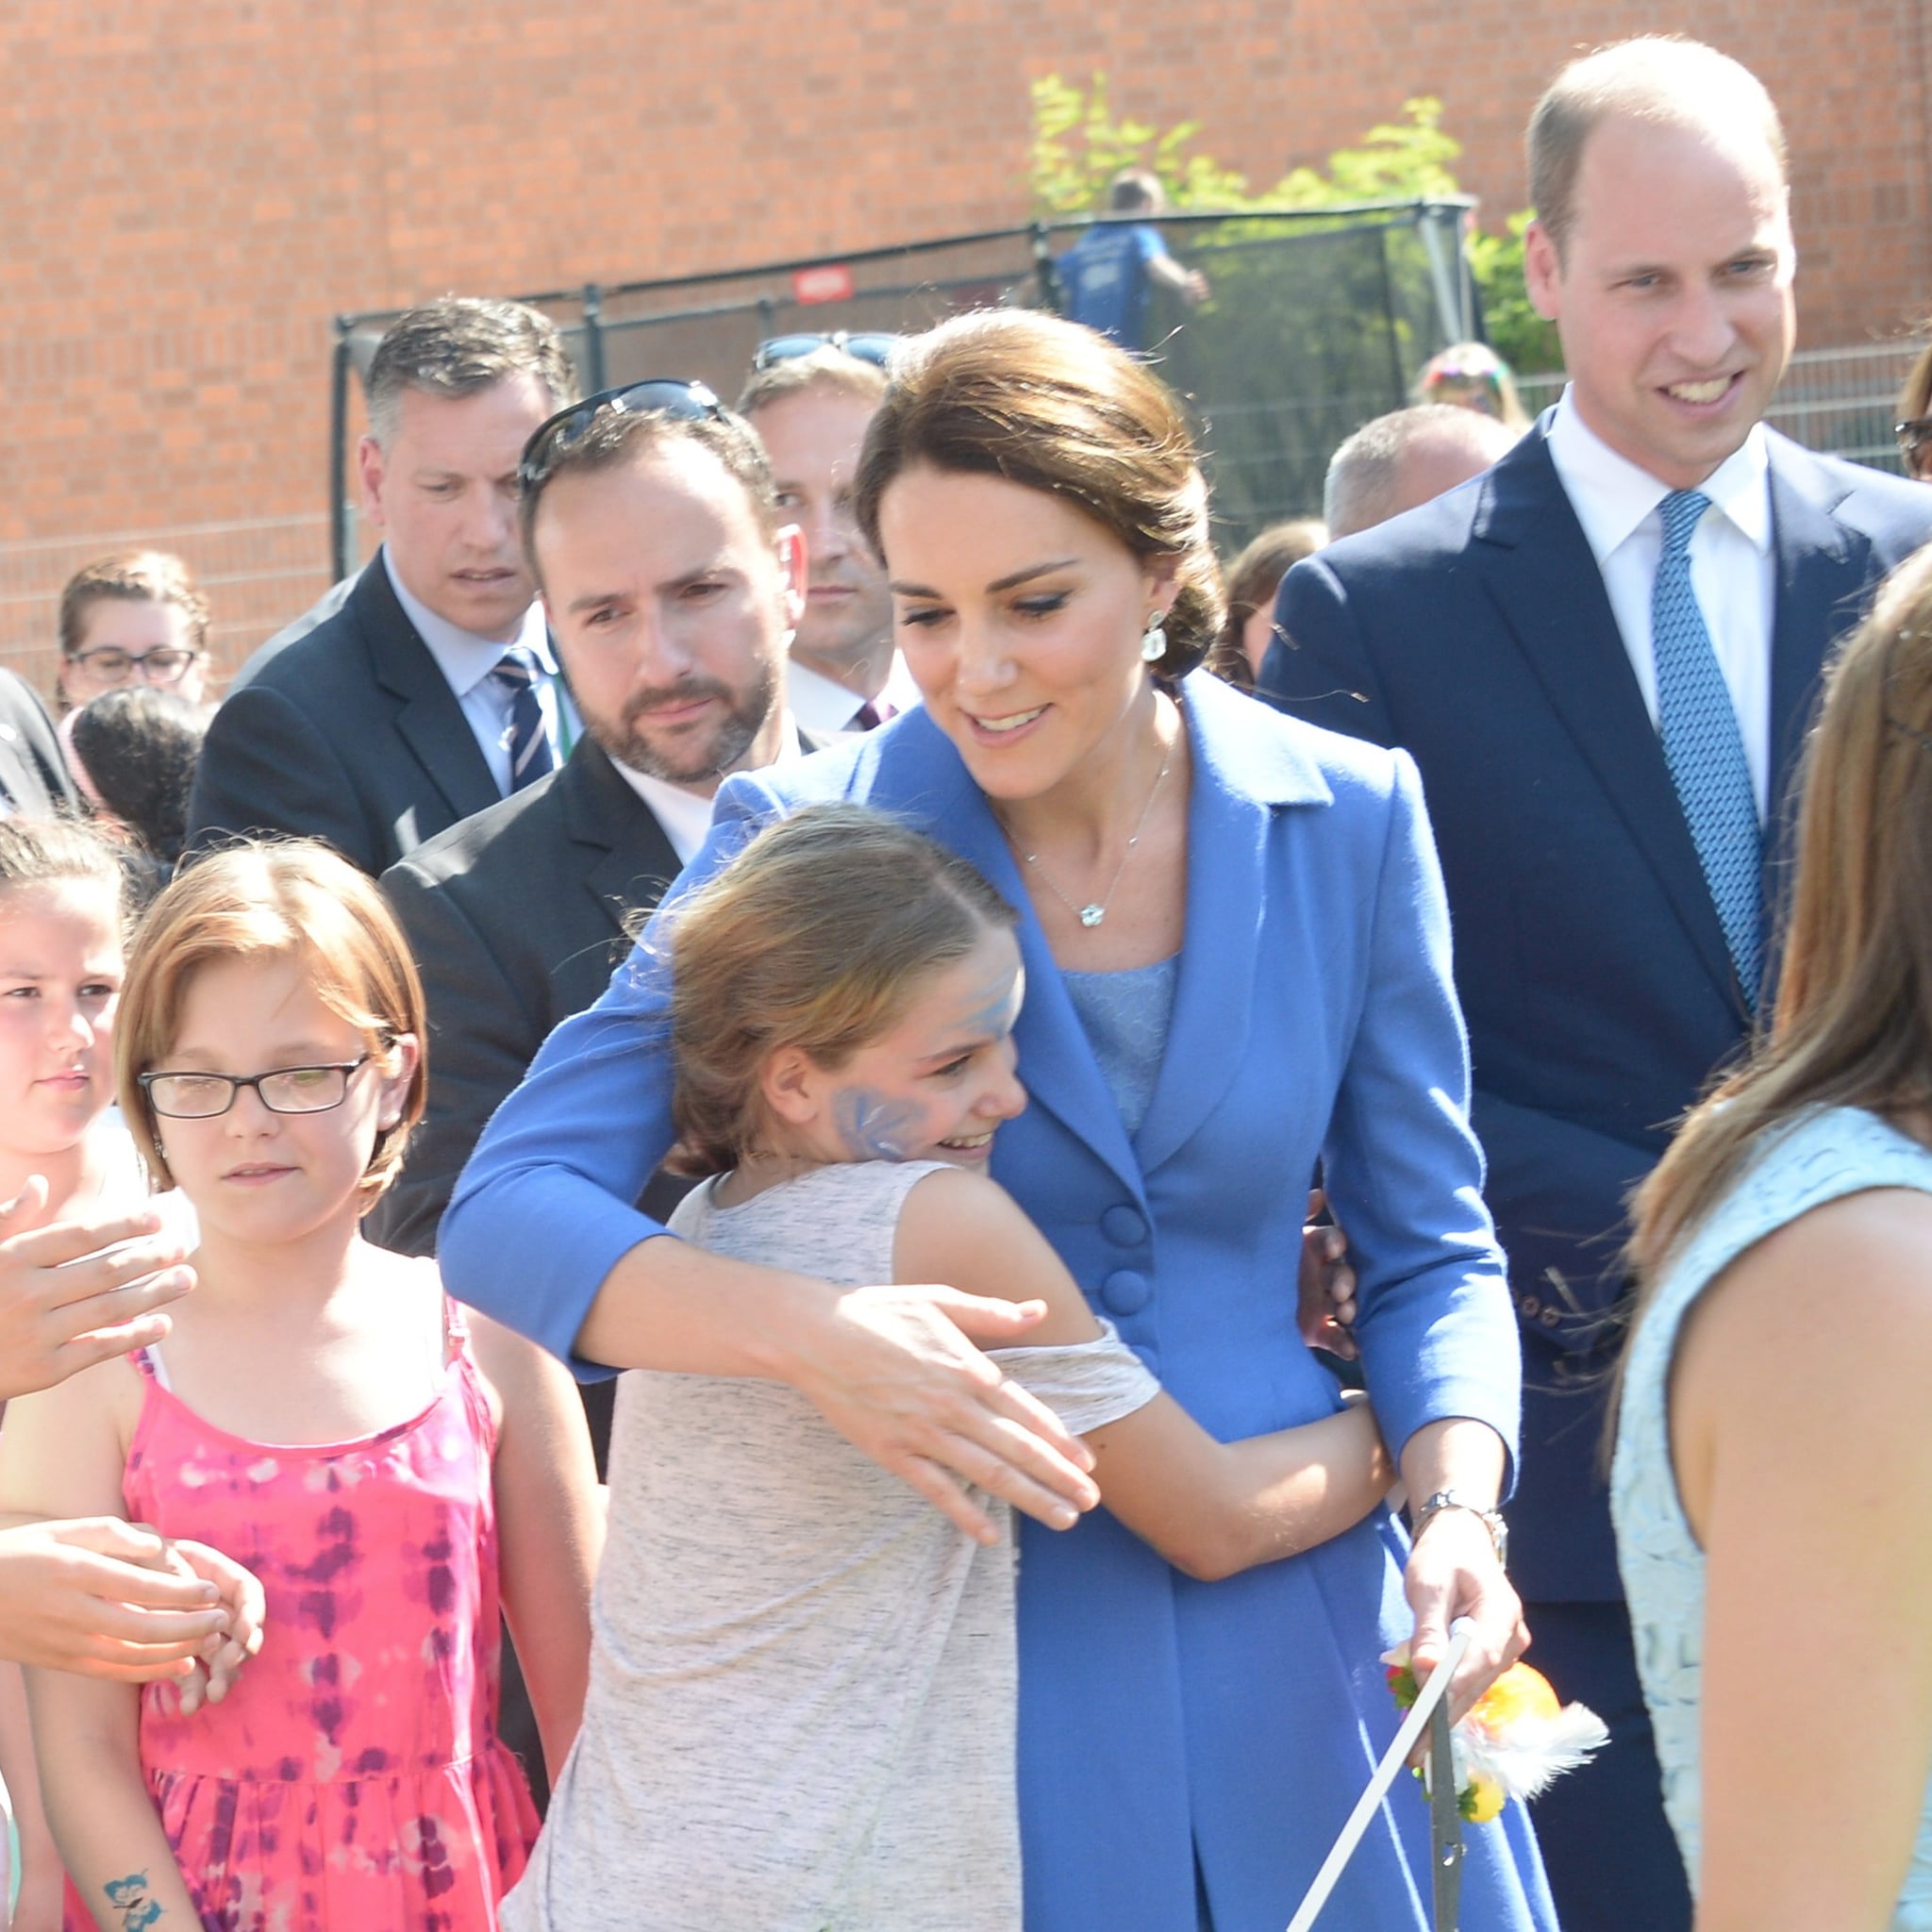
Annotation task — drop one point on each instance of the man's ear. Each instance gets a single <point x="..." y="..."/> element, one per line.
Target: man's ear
<point x="789" y="1083"/>
<point x="371" y="465"/>
<point x="793" y="564"/>
<point x="1542" y="271"/>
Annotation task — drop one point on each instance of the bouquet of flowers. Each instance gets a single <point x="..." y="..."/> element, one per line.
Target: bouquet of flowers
<point x="1516" y="1739"/>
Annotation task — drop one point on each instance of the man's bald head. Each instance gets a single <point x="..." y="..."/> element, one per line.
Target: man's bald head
<point x="1407" y="458"/>
<point x="1657" y="81"/>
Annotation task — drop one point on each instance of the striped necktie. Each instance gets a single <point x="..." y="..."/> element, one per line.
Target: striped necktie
<point x="527" y="742"/>
<point x="1703" y="746"/>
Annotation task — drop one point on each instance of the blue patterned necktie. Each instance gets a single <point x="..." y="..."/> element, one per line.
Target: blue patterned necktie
<point x="527" y="742"/>
<point x="1703" y="746"/>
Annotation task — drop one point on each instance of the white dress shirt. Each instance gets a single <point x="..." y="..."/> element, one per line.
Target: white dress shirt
<point x="467" y="660"/>
<point x="823" y="704"/>
<point x="1733" y="564"/>
<point x="685" y="815"/>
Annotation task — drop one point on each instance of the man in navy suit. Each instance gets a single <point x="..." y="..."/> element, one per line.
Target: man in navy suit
<point x="1608" y="758"/>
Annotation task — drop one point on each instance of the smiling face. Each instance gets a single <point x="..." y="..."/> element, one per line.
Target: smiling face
<point x="1021" y="620"/>
<point x="670" y="606"/>
<point x="443" y="493"/>
<point x="935" y="1086"/>
<point x="813" y="436"/>
<point x="1672" y="294"/>
<point x="268" y="1178"/>
<point x="61" y="966"/>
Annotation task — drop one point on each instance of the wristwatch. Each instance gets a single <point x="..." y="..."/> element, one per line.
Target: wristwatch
<point x="1448" y="1499"/>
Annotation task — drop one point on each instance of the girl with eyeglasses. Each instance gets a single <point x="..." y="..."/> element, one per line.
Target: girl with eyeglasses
<point x="323" y="1413"/>
<point x="135" y="618"/>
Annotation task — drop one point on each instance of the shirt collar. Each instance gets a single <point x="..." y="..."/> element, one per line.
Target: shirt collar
<point x="683" y="815"/>
<point x="1611" y="496"/>
<point x="464" y="658"/>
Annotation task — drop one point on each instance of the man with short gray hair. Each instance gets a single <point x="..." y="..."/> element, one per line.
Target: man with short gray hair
<point x="1405" y="459"/>
<point x="432" y="692"/>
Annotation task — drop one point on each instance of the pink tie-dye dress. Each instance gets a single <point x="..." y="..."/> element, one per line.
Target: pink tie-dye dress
<point x="352" y="1780"/>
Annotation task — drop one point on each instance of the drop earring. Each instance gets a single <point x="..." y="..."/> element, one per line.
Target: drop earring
<point x="1154" y="639"/>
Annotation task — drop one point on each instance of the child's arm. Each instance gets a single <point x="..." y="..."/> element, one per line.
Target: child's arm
<point x="39" y="1906"/>
<point x="550" y="1527"/>
<point x="1210" y="1508"/>
<point x="61" y="1454"/>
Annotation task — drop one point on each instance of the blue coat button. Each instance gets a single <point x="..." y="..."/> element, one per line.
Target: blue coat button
<point x="1127" y="1292"/>
<point x="1126" y="1228"/>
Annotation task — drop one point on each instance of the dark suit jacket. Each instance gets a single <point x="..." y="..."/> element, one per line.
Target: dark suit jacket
<point x="1476" y="632"/>
<point x="516" y="917"/>
<point x="350" y="734"/>
<point x="33" y="775"/>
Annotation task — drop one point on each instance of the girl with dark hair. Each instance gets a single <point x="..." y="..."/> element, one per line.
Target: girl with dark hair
<point x="1236" y="955"/>
<point x="135" y="752"/>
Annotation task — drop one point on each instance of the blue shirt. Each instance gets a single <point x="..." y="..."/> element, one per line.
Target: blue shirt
<point x="1104" y="277"/>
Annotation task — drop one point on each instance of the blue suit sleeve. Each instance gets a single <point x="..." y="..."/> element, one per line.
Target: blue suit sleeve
<point x="544" y="1210"/>
<point x="1404" y="1171"/>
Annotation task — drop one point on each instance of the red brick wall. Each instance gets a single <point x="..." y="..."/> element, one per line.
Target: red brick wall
<point x="198" y="186"/>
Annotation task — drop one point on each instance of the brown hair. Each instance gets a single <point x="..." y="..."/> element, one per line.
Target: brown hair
<point x="816" y="936"/>
<point x="461" y="345"/>
<point x="133" y="576"/>
<point x="618" y="437"/>
<point x="828" y="368"/>
<point x="265" y="901"/>
<point x="1055" y="407"/>
<point x="1658" y="78"/>
<point x="35" y="852"/>
<point x="1852" y="1025"/>
<point x="1252" y="580"/>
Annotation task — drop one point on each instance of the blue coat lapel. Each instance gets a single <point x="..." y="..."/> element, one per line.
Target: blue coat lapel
<point x="1243" y="767"/>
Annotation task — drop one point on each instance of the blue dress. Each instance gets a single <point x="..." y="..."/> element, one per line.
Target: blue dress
<point x="1162" y="1720"/>
<point x="1819" y="1158"/>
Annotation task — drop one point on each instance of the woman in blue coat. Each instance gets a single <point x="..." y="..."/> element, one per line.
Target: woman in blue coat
<point x="1236" y="962"/>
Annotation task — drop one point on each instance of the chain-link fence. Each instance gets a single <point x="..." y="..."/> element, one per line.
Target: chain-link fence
<point x="1315" y="321"/>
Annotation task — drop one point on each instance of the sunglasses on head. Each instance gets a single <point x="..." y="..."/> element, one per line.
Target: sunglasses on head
<point x="875" y="348"/>
<point x="657" y="396"/>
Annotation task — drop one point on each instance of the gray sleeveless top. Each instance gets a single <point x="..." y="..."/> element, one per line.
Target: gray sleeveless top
<point x="803" y="1679"/>
<point x="1819" y="1158"/>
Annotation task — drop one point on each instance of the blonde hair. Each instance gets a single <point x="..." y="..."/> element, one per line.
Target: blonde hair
<point x="817" y="935"/>
<point x="1852" y="1025"/>
<point x="261" y="901"/>
<point x="1055" y="407"/>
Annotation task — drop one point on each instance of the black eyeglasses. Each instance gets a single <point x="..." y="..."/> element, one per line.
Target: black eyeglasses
<point x="657" y="396"/>
<point x="287" y="1090"/>
<point x="165" y="664"/>
<point x="875" y="348"/>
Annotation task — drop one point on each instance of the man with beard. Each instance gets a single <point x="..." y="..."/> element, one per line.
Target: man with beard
<point x="672" y="589"/>
<point x="810" y="412"/>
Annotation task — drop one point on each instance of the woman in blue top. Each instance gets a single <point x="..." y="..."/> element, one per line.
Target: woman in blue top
<point x="1773" y="1486"/>
<point x="1236" y="962"/>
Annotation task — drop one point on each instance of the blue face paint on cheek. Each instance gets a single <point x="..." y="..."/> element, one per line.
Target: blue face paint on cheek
<point x="874" y="1126"/>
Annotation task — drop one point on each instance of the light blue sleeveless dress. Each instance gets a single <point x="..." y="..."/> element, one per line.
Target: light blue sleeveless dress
<point x="1822" y="1154"/>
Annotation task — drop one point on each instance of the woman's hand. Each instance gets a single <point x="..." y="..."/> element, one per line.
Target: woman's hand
<point x="893" y="1370"/>
<point x="1326" y="1285"/>
<point x="1453" y="1571"/>
<point x="105" y="1599"/>
<point x="80" y="1292"/>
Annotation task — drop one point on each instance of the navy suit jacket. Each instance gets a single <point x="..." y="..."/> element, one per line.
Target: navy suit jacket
<point x="1476" y="634"/>
<point x="349" y="734"/>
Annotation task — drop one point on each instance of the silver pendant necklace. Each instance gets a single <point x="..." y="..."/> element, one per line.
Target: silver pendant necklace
<point x="1092" y="913"/>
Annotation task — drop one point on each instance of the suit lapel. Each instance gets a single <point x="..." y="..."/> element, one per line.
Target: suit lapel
<point x="429" y="718"/>
<point x="1545" y="582"/>
<point x="1229" y="816"/>
<point x="629" y="860"/>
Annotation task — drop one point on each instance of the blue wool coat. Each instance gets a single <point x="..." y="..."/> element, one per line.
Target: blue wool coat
<point x="1163" y="1721"/>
